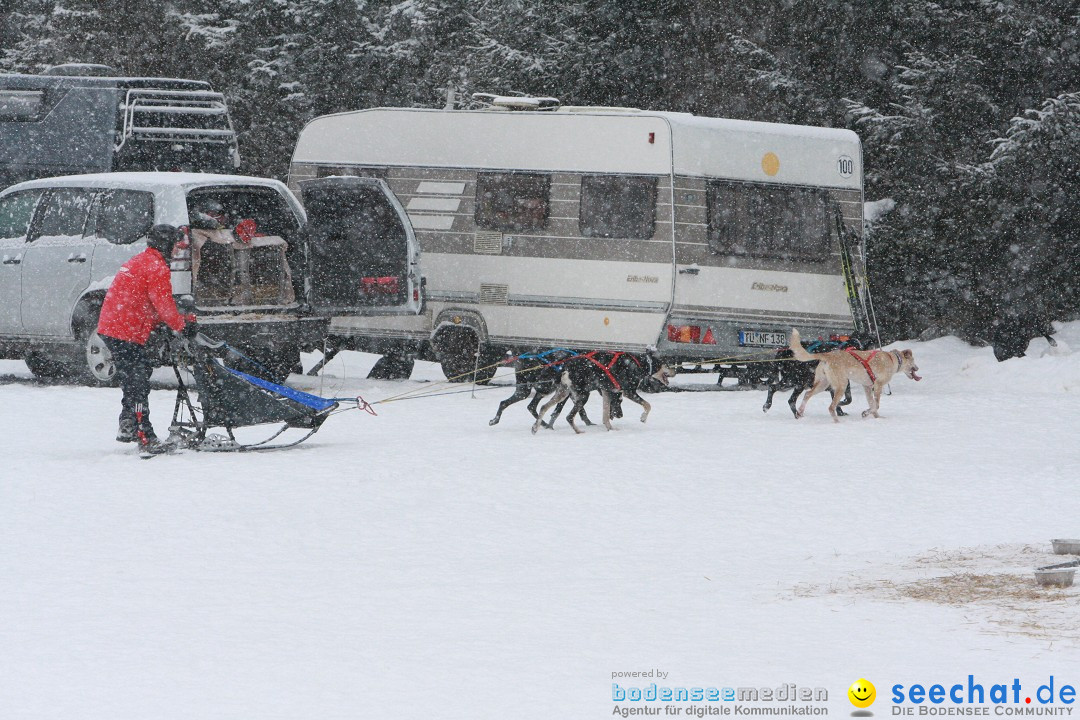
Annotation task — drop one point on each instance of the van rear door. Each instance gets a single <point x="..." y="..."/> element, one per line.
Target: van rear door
<point x="362" y="254"/>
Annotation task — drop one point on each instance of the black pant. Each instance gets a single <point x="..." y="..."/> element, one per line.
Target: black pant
<point x="133" y="370"/>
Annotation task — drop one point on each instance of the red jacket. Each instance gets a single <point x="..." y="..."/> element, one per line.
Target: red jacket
<point x="139" y="299"/>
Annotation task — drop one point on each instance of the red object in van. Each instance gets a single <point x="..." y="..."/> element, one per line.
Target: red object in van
<point x="245" y="230"/>
<point x="380" y="285"/>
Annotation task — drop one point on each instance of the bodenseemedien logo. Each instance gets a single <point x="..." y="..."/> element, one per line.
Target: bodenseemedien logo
<point x="700" y="701"/>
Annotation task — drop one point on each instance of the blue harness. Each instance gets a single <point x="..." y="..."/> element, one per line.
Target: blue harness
<point x="543" y="356"/>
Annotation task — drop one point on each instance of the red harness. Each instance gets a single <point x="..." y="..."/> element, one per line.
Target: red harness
<point x="591" y="357"/>
<point x="865" y="361"/>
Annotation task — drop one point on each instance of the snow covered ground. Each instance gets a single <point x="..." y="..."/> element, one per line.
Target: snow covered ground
<point x="421" y="564"/>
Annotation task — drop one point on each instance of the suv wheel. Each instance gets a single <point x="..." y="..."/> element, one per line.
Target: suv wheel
<point x="99" y="366"/>
<point x="45" y="367"/>
<point x="392" y="366"/>
<point x="94" y="363"/>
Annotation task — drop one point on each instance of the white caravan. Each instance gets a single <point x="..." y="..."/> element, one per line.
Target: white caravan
<point x="605" y="228"/>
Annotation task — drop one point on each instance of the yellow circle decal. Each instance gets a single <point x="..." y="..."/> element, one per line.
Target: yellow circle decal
<point x="770" y="164"/>
<point x="607" y="321"/>
<point x="862" y="693"/>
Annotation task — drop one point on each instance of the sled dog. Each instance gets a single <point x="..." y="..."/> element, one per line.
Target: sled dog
<point x="872" y="369"/>
<point x="614" y="374"/>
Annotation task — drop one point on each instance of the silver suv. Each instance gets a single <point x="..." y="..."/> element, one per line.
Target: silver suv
<point x="255" y="273"/>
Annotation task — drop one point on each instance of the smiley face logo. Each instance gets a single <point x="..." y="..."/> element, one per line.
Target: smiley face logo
<point x="862" y="693"/>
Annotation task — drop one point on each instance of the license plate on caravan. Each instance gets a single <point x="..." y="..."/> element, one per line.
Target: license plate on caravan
<point x="759" y="338"/>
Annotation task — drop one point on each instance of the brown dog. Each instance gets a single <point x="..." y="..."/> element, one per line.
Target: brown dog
<point x="872" y="369"/>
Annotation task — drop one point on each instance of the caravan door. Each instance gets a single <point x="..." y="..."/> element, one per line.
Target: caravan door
<point x="362" y="254"/>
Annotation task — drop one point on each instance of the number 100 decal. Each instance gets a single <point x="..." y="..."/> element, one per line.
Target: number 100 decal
<point x="845" y="165"/>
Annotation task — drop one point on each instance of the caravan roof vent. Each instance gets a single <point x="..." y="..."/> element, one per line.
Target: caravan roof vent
<point x="515" y="102"/>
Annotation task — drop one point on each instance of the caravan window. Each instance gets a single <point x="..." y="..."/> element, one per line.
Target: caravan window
<point x="617" y="206"/>
<point x="512" y="201"/>
<point x="768" y="221"/>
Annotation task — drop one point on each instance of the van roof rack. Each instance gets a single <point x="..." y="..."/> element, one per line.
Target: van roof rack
<point x="490" y="101"/>
<point x="176" y="116"/>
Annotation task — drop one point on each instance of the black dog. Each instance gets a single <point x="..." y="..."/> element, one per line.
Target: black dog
<point x="538" y="372"/>
<point x="614" y="374"/>
<point x="787" y="373"/>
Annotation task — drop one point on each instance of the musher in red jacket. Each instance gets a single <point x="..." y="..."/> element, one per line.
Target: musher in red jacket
<point x="139" y="299"/>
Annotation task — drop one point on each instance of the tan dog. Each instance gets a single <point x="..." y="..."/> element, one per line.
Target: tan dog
<point x="872" y="369"/>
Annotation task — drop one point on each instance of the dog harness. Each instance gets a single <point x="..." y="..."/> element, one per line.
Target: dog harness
<point x="591" y="357"/>
<point x="865" y="361"/>
<point x="543" y="356"/>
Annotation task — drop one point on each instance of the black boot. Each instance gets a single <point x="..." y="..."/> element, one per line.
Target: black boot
<point x="144" y="431"/>
<point x="126" y="433"/>
<point x="153" y="446"/>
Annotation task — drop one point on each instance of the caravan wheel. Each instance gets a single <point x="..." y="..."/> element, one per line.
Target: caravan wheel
<point x="456" y="350"/>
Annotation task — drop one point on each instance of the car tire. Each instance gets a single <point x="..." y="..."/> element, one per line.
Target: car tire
<point x="97" y="367"/>
<point x="93" y="364"/>
<point x="392" y="366"/>
<point x="46" y="367"/>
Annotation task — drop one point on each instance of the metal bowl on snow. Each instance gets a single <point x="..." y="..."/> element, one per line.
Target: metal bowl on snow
<point x="1057" y="575"/>
<point x="1066" y="547"/>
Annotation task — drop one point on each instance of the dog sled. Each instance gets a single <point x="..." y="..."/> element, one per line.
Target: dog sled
<point x="227" y="399"/>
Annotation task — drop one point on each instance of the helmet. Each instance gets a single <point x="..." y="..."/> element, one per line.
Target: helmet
<point x="163" y="237"/>
<point x="209" y="205"/>
<point x="208" y="214"/>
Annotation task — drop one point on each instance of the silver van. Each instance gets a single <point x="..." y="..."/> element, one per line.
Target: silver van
<point x="256" y="272"/>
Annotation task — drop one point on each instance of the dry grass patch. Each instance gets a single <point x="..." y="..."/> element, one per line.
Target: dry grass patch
<point x="986" y="581"/>
<point x="969" y="588"/>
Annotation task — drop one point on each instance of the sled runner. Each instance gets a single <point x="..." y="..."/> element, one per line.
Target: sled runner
<point x="229" y="399"/>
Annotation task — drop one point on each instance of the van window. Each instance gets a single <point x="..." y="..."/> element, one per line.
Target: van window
<point x="124" y="216"/>
<point x="351" y="170"/>
<point x="63" y="213"/>
<point x="24" y="105"/>
<point x="512" y="201"/>
<point x="15" y="213"/>
<point x="617" y="206"/>
<point x="358" y="246"/>
<point x="768" y="221"/>
<point x="264" y="205"/>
